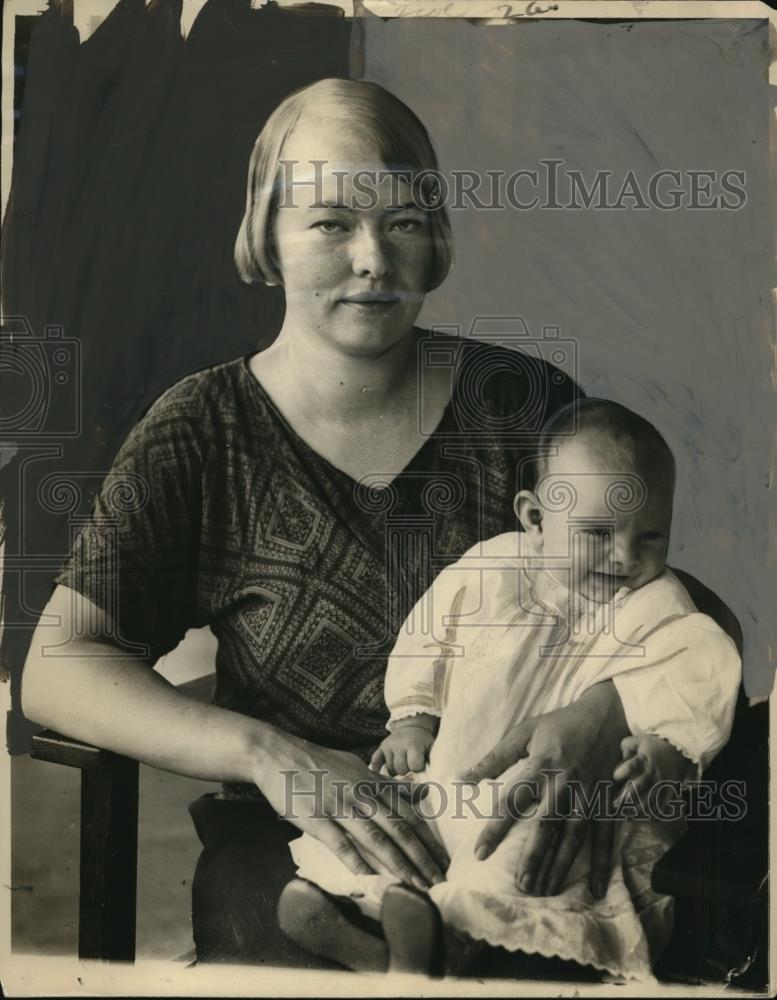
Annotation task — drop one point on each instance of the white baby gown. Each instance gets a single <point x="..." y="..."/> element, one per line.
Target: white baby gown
<point x="482" y="651"/>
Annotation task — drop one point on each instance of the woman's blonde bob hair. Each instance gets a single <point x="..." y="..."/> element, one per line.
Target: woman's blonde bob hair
<point x="400" y="139"/>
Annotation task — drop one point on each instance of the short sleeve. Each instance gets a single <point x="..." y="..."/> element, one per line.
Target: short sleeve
<point x="686" y="690"/>
<point x="136" y="557"/>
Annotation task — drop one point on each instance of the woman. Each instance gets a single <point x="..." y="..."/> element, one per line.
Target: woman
<point x="299" y="501"/>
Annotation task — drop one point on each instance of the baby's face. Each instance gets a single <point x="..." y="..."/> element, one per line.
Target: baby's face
<point x="615" y="531"/>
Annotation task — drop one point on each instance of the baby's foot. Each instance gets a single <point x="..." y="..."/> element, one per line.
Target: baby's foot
<point x="413" y="929"/>
<point x="312" y="919"/>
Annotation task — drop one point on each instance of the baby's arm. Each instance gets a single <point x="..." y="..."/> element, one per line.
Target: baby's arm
<point x="407" y="746"/>
<point x="686" y="691"/>
<point x="648" y="760"/>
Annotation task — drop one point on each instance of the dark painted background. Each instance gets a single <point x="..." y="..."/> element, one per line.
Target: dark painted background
<point x="128" y="188"/>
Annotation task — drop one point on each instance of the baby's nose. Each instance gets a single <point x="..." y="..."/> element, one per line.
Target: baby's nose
<point x="625" y="556"/>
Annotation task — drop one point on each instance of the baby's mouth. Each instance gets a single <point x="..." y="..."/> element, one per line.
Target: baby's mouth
<point x="614" y="580"/>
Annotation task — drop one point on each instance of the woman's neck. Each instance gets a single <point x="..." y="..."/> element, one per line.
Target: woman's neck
<point x="319" y="378"/>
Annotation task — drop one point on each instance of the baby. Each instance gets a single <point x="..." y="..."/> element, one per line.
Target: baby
<point x="521" y="625"/>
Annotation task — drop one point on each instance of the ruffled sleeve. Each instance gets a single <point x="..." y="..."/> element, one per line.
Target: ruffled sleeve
<point x="430" y="642"/>
<point x="686" y="688"/>
<point x="417" y="673"/>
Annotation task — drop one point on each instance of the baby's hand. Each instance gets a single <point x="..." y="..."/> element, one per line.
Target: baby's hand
<point x="407" y="746"/>
<point x="648" y="760"/>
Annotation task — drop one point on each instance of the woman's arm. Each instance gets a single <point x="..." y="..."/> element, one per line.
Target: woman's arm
<point x="91" y="690"/>
<point x="86" y="687"/>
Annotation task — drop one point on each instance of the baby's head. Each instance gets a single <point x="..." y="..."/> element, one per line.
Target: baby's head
<point x="600" y="513"/>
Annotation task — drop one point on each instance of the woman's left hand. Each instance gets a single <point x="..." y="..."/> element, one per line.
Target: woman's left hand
<point x="568" y="756"/>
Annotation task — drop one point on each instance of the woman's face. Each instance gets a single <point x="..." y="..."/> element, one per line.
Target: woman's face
<point x="354" y="253"/>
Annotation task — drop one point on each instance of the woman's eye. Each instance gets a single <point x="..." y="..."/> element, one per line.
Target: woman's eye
<point x="329" y="226"/>
<point x="406" y="225"/>
<point x="652" y="536"/>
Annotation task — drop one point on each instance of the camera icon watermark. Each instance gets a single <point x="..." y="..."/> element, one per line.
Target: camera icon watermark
<point x="41" y="379"/>
<point x="539" y="365"/>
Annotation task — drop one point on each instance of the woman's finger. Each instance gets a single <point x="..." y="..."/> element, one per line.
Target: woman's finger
<point x="493" y="833"/>
<point x="433" y="846"/>
<point x="412" y="812"/>
<point x="629" y="746"/>
<point x="406" y="788"/>
<point x="399" y="818"/>
<point x="514" y="805"/>
<point x="602" y="837"/>
<point x="539" y="842"/>
<point x="547" y="863"/>
<point x="554" y="805"/>
<point x="367" y="833"/>
<point x="511" y="748"/>
<point x="564" y="855"/>
<point x="404" y="834"/>
<point x="376" y="863"/>
<point x="335" y="838"/>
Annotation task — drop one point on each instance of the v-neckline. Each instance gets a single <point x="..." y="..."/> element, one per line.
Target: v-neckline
<point x="267" y="399"/>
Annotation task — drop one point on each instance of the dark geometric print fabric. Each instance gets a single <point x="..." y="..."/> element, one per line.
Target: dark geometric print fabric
<point x="217" y="513"/>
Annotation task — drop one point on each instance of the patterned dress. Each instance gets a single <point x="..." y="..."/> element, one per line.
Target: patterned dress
<point x="217" y="513"/>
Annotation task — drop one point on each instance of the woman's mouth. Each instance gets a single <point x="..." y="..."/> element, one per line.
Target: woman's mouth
<point x="371" y="301"/>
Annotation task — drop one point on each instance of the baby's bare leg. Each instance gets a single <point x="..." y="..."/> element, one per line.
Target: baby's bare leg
<point x="315" y="922"/>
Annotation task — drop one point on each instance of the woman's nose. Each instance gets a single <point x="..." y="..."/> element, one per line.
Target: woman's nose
<point x="368" y="255"/>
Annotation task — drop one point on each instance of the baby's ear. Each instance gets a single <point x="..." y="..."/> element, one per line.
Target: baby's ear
<point x="529" y="512"/>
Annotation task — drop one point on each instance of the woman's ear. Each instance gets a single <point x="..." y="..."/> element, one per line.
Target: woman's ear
<point x="529" y="512"/>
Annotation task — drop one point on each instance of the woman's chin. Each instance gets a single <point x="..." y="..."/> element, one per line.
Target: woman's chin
<point x="370" y="340"/>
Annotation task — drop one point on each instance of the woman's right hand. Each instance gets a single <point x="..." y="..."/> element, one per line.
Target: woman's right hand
<point x="362" y="817"/>
<point x="569" y="753"/>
